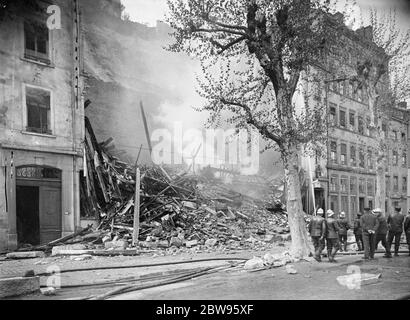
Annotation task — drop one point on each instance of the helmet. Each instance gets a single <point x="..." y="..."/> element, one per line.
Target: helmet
<point x="342" y="214"/>
<point x="377" y="211"/>
<point x="330" y="213"/>
<point x="320" y="211"/>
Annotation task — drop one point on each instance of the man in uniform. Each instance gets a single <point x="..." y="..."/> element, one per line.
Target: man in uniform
<point x="357" y="230"/>
<point x="395" y="223"/>
<point x="344" y="226"/>
<point x="332" y="236"/>
<point x="317" y="230"/>
<point x="381" y="232"/>
<point x="369" y="225"/>
<point x="407" y="229"/>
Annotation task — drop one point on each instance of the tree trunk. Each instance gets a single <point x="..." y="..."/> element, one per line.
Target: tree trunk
<point x="381" y="178"/>
<point x="300" y="246"/>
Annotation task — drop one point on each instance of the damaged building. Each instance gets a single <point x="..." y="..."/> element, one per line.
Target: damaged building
<point x="41" y="125"/>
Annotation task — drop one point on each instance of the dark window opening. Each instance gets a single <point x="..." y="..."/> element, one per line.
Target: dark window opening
<point x="36" y="36"/>
<point x="38" y="110"/>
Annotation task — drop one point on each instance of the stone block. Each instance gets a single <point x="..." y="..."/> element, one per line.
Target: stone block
<point x="13" y="287"/>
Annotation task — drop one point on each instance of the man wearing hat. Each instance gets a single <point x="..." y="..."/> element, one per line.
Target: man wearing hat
<point x="395" y="224"/>
<point x="407" y="229"/>
<point x="317" y="230"/>
<point x="381" y="232"/>
<point x="344" y="226"/>
<point x="357" y="230"/>
<point x="369" y="225"/>
<point x="332" y="236"/>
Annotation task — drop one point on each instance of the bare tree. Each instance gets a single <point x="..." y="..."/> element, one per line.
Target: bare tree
<point x="255" y="54"/>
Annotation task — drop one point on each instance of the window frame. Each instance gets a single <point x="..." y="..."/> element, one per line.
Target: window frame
<point x="36" y="56"/>
<point x="25" y="110"/>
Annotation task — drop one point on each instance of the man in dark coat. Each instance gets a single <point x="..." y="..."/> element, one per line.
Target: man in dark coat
<point x="395" y="224"/>
<point x="369" y="225"/>
<point x="317" y="230"/>
<point x="381" y="232"/>
<point x="407" y="229"/>
<point x="357" y="230"/>
<point x="332" y="236"/>
<point x="343" y="227"/>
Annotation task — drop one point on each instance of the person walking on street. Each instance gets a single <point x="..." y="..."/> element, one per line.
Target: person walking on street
<point x="332" y="236"/>
<point x="369" y="225"/>
<point x="407" y="229"/>
<point x="357" y="230"/>
<point x="395" y="224"/>
<point x="343" y="227"/>
<point x="381" y="232"/>
<point x="317" y="230"/>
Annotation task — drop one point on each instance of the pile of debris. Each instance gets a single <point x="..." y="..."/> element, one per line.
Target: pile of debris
<point x="177" y="209"/>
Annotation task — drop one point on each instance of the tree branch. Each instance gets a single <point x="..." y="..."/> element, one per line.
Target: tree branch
<point x="252" y="121"/>
<point x="227" y="46"/>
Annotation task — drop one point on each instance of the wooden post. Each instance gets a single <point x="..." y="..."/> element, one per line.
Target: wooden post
<point x="135" y="233"/>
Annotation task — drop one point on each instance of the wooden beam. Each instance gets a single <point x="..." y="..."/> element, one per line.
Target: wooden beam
<point x="135" y="233"/>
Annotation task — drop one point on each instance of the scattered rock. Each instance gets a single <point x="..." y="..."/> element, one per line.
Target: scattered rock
<point x="163" y="244"/>
<point x="25" y="255"/>
<point x="254" y="263"/>
<point x="177" y="242"/>
<point x="211" y="243"/>
<point x="49" y="291"/>
<point x="192" y="243"/>
<point x="119" y="244"/>
<point x="290" y="269"/>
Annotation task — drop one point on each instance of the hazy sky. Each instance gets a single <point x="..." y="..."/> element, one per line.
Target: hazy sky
<point x="149" y="11"/>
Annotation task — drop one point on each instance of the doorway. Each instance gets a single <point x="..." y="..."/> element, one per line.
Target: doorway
<point x="38" y="205"/>
<point x="28" y="219"/>
<point x="320" y="198"/>
<point x="361" y="205"/>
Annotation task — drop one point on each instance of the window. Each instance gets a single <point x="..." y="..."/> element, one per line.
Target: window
<point x="353" y="185"/>
<point x="369" y="159"/>
<point x="335" y="86"/>
<point x="38" y="110"/>
<point x="359" y="95"/>
<point x="361" y="125"/>
<point x="333" y="184"/>
<point x="352" y="122"/>
<point x="352" y="156"/>
<point x="404" y="184"/>
<point x="394" y="135"/>
<point x="351" y="91"/>
<point x="344" y="184"/>
<point x="353" y="205"/>
<point x="395" y="158"/>
<point x="361" y="158"/>
<point x="36" y="41"/>
<point x="404" y="159"/>
<point x="333" y="151"/>
<point x="362" y="186"/>
<point x="343" y="154"/>
<point x="332" y="116"/>
<point x="342" y="119"/>
<point x="384" y="129"/>
<point x="334" y="203"/>
<point x="371" y="204"/>
<point x="387" y="186"/>
<point x="345" y="204"/>
<point x="367" y="126"/>
<point x="395" y="183"/>
<point x="403" y="137"/>
<point x="370" y="187"/>
<point x="341" y="87"/>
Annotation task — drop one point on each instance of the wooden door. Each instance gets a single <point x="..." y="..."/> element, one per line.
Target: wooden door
<point x="50" y="213"/>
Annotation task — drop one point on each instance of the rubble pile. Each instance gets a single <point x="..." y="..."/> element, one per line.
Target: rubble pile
<point x="177" y="209"/>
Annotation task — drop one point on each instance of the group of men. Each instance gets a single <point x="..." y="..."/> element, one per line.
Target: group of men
<point x="369" y="229"/>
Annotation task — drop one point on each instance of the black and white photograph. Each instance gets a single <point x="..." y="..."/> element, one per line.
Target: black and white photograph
<point x="204" y="155"/>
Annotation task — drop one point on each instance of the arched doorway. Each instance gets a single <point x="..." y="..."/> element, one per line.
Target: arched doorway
<point x="38" y="204"/>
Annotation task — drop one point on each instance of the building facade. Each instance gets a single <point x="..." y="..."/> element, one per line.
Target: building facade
<point x="344" y="177"/>
<point x="41" y="124"/>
